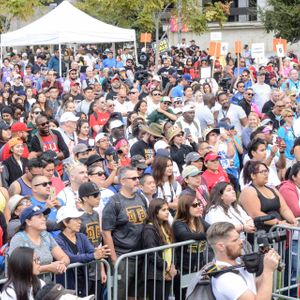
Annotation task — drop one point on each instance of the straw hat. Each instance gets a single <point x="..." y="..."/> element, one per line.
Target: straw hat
<point x="153" y="129"/>
<point x="172" y="132"/>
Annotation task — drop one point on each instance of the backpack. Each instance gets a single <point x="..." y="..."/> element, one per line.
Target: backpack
<point x="200" y="286"/>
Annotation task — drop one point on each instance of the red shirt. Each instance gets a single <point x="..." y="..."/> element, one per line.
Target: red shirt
<point x="101" y="119"/>
<point x="213" y="178"/>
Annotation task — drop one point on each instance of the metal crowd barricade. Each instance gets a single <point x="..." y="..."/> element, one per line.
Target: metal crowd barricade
<point x="286" y="283"/>
<point x="193" y="255"/>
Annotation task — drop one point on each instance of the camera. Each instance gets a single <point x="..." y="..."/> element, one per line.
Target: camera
<point x="264" y="239"/>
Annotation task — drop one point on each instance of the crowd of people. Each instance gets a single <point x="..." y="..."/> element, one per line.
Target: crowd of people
<point x="117" y="156"/>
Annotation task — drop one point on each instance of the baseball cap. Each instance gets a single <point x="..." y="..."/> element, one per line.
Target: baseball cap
<point x="4" y="125"/>
<point x="19" y="126"/>
<point x="190" y="171"/>
<point x="191" y="157"/>
<point x="88" y="189"/>
<point x="80" y="148"/>
<point x="50" y="155"/>
<point x="187" y="77"/>
<point x="14" y="201"/>
<point x="266" y="122"/>
<point x="138" y="161"/>
<point x="68" y="116"/>
<point x="187" y="108"/>
<point x="100" y="136"/>
<point x="211" y="156"/>
<point x="73" y="83"/>
<point x="66" y="212"/>
<point x="93" y="159"/>
<point x="31" y="211"/>
<point x="115" y="124"/>
<point x="165" y="99"/>
<point x="225" y="125"/>
<point x="162" y="153"/>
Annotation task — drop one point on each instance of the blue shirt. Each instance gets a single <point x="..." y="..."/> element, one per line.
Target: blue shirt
<point x="177" y="91"/>
<point x="287" y="134"/>
<point x="109" y="63"/>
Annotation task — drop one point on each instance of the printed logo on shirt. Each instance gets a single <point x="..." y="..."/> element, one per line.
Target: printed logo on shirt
<point x="136" y="214"/>
<point x="93" y="232"/>
<point x="148" y="153"/>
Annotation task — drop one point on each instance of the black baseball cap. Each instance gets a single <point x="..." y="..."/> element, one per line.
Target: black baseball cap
<point x="88" y="189"/>
<point x="93" y="159"/>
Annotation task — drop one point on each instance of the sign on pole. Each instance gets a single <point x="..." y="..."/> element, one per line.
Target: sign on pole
<point x="163" y="46"/>
<point x="237" y="47"/>
<point x="224" y="48"/>
<point x="214" y="49"/>
<point x="258" y="50"/>
<point x="216" y="36"/>
<point x="280" y="50"/>
<point x="279" y="41"/>
<point x="145" y="37"/>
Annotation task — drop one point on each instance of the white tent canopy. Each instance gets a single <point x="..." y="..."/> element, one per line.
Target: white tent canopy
<point x="66" y="24"/>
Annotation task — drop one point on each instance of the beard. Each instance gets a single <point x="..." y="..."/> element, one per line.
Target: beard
<point x="233" y="254"/>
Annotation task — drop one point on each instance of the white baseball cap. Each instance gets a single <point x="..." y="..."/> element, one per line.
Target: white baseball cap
<point x="160" y="145"/>
<point x="187" y="108"/>
<point x="100" y="136"/>
<point x="115" y="124"/>
<point x="66" y="212"/>
<point x="68" y="116"/>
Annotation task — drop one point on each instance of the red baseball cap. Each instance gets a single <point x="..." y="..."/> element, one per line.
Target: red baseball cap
<point x="211" y="156"/>
<point x="19" y="126"/>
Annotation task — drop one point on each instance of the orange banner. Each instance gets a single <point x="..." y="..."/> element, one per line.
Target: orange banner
<point x="145" y="37"/>
<point x="237" y="47"/>
<point x="279" y="41"/>
<point x="214" y="49"/>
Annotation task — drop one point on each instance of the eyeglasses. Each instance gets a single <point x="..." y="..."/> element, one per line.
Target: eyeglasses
<point x="156" y="94"/>
<point x="36" y="112"/>
<point x="36" y="260"/>
<point x="180" y="134"/>
<point x="244" y="75"/>
<point x="167" y="103"/>
<point x="100" y="173"/>
<point x="250" y="94"/>
<point x="133" y="178"/>
<point x="242" y="61"/>
<point x="265" y="171"/>
<point x="44" y="184"/>
<point x="196" y="204"/>
<point x="23" y="202"/>
<point x="44" y="124"/>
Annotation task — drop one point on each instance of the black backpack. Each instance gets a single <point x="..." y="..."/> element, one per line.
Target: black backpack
<point x="200" y="287"/>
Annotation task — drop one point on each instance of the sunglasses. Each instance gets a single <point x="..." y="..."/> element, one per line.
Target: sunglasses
<point x="293" y="95"/>
<point x="244" y="75"/>
<point x="37" y="112"/>
<point x="44" y="124"/>
<point x="197" y="204"/>
<point x="167" y="103"/>
<point x="23" y="202"/>
<point x="44" y="184"/>
<point x="289" y="116"/>
<point x="112" y="105"/>
<point x="133" y="178"/>
<point x="156" y="94"/>
<point x="250" y="94"/>
<point x="98" y="173"/>
<point x="95" y="195"/>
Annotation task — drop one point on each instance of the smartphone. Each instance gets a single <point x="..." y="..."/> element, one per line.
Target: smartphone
<point x="187" y="132"/>
<point x="278" y="140"/>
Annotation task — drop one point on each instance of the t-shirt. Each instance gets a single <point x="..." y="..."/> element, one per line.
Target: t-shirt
<point x="235" y="113"/>
<point x="262" y="93"/>
<point x="157" y="117"/>
<point x="213" y="178"/>
<point x="68" y="196"/>
<point x="177" y="91"/>
<point x="100" y="118"/>
<point x="230" y="286"/>
<point x="127" y="224"/>
<point x="43" y="250"/>
<point x="90" y="226"/>
<point x="142" y="148"/>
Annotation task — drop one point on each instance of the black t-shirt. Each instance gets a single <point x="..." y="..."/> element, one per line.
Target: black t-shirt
<point x="111" y="95"/>
<point x="164" y="72"/>
<point x="142" y="148"/>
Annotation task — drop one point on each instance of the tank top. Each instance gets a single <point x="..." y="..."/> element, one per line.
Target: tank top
<point x="25" y="189"/>
<point x="269" y="205"/>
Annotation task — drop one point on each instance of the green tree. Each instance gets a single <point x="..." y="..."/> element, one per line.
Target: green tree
<point x="146" y="16"/>
<point x="282" y="17"/>
<point x="19" y="9"/>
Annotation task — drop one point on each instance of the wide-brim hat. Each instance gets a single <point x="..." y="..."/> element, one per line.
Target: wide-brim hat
<point x="153" y="129"/>
<point x="208" y="130"/>
<point x="172" y="132"/>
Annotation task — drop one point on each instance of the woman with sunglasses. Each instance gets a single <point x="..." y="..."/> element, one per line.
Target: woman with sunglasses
<point x="189" y="225"/>
<point x="23" y="270"/>
<point x="223" y="207"/>
<point x="32" y="233"/>
<point x="157" y="232"/>
<point x="258" y="199"/>
<point x="286" y="133"/>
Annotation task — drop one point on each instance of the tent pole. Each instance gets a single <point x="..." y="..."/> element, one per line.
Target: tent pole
<point x="59" y="49"/>
<point x="135" y="52"/>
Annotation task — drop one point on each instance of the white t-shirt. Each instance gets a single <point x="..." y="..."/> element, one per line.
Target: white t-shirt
<point x="262" y="93"/>
<point x="68" y="196"/>
<point x="10" y="294"/>
<point x="235" y="113"/>
<point x="231" y="286"/>
<point x="120" y="107"/>
<point x="204" y="115"/>
<point x="194" y="128"/>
